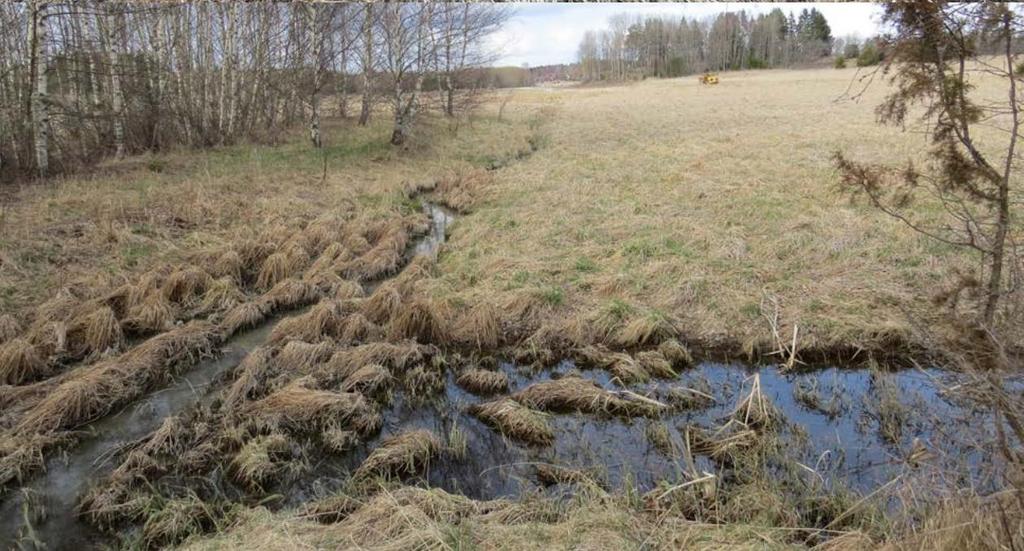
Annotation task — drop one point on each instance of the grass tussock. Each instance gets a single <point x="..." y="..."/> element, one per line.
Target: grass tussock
<point x="756" y="410"/>
<point x="423" y="320"/>
<point x="677" y="354"/>
<point x="580" y="395"/>
<point x="246" y="315"/>
<point x="645" y="330"/>
<point x="302" y="409"/>
<point x="479" y="327"/>
<point x="399" y="357"/>
<point x="384" y="303"/>
<point x="403" y="454"/>
<point x="186" y="285"/>
<point x="222" y="295"/>
<point x="94" y="333"/>
<point x="320" y="321"/>
<point x="550" y="475"/>
<point x="303" y="357"/>
<point x="356" y="328"/>
<point x="228" y="264"/>
<point x="9" y="328"/>
<point x="483" y="382"/>
<point x="655" y="363"/>
<point x="515" y="421"/>
<point x="176" y="519"/>
<point x="154" y="313"/>
<point x="291" y="292"/>
<point x="259" y="460"/>
<point x="339" y="440"/>
<point x="252" y="373"/>
<point x="276" y="268"/>
<point x="368" y="380"/>
<point x="20" y="362"/>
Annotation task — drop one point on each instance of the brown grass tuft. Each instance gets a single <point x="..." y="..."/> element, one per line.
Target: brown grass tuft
<point x="656" y="364"/>
<point x="319" y="322"/>
<point x="577" y="394"/>
<point x="274" y="269"/>
<point x="398" y="455"/>
<point x="355" y="328"/>
<point x="9" y="328"/>
<point x="91" y="393"/>
<point x="186" y="285"/>
<point x="515" y="420"/>
<point x="20" y="362"/>
<point x="246" y="315"/>
<point x="348" y="289"/>
<point x="94" y="333"/>
<point x="302" y="357"/>
<point x="480" y="326"/>
<point x="756" y="410"/>
<point x="677" y="354"/>
<point x="252" y="373"/>
<point x="423" y="319"/>
<point x="291" y="293"/>
<point x="222" y="295"/>
<point x="259" y="460"/>
<point x="228" y="264"/>
<point x="339" y="440"/>
<point x="176" y="520"/>
<point x="383" y="304"/>
<point x="397" y="356"/>
<point x="302" y="409"/>
<point x="368" y="380"/>
<point x="154" y="313"/>
<point x="645" y="330"/>
<point x="483" y="381"/>
<point x="253" y="252"/>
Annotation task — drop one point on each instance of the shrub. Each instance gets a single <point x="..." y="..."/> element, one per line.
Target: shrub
<point x="851" y="50"/>
<point x="869" y="55"/>
<point x="840" y="62"/>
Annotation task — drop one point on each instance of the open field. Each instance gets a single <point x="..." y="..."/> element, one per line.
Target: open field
<point x="607" y="242"/>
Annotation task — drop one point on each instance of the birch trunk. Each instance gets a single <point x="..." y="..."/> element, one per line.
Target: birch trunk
<point x="39" y="104"/>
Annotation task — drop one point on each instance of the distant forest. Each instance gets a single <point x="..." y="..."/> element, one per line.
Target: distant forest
<point x="664" y="46"/>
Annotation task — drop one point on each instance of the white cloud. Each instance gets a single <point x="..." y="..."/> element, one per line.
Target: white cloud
<point x="544" y="34"/>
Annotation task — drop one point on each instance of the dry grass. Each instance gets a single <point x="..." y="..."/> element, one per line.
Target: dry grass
<point x="9" y="328"/>
<point x="482" y="381"/>
<point x="300" y="408"/>
<point x="368" y="380"/>
<point x="577" y="394"/>
<point x="259" y="460"/>
<point x="515" y="420"/>
<point x="94" y="333"/>
<point x="404" y="453"/>
<point x="703" y="203"/>
<point x="422" y="319"/>
<point x="20" y="362"/>
<point x="416" y="518"/>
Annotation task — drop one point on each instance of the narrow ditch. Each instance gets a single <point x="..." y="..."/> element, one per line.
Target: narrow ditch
<point x="43" y="512"/>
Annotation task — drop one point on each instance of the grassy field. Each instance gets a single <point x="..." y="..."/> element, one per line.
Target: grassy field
<point x="617" y="226"/>
<point x="710" y="209"/>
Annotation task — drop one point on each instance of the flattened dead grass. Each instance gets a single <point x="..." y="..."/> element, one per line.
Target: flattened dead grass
<point x="580" y="395"/>
<point x="405" y="453"/>
<point x="301" y="408"/>
<point x="483" y="381"/>
<point x="516" y="421"/>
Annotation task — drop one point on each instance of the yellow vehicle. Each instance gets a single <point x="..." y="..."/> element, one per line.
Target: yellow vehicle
<point x="708" y="78"/>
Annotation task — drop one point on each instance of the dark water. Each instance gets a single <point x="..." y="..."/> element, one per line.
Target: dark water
<point x="839" y="441"/>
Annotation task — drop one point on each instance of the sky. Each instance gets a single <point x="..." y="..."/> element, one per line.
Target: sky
<point x="547" y="34"/>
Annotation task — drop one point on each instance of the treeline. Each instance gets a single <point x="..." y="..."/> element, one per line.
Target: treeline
<point x="664" y="46"/>
<point x="83" y="80"/>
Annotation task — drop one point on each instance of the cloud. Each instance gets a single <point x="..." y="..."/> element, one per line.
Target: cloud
<point x="545" y="34"/>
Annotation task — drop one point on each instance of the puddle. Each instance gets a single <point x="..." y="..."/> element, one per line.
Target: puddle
<point x="842" y="446"/>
